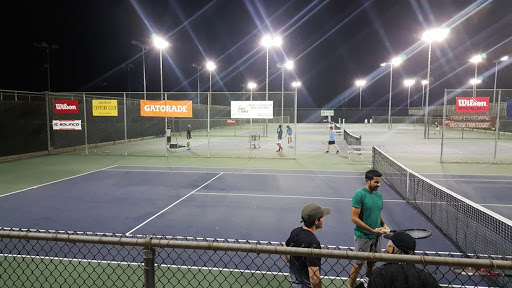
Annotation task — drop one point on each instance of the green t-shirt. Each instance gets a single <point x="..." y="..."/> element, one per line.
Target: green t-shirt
<point x="371" y="205"/>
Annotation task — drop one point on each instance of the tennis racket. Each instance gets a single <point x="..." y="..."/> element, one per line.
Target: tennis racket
<point x="471" y="271"/>
<point x="415" y="233"/>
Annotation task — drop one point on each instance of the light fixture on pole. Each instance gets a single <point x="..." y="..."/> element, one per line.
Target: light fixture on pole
<point x="251" y="86"/>
<point x="394" y="62"/>
<point x="409" y="83"/>
<point x="476" y="59"/>
<point x="437" y="34"/>
<point x="210" y="66"/>
<point x="268" y="41"/>
<point x="475" y="81"/>
<point x="504" y="58"/>
<point x="360" y="84"/>
<point x="296" y="85"/>
<point x="288" y="65"/>
<point x="423" y="83"/>
<point x="198" y="87"/>
<point x="161" y="44"/>
<point x="143" y="47"/>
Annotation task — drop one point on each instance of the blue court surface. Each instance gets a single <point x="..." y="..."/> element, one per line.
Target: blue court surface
<point x="489" y="191"/>
<point x="223" y="203"/>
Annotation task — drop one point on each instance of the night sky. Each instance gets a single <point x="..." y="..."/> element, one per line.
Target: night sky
<point x="333" y="43"/>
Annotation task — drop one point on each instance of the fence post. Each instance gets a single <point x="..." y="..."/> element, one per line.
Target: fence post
<point x="149" y="265"/>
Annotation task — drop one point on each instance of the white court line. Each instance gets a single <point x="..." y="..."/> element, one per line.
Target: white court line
<point x="130" y="232"/>
<point x="285" y="196"/>
<point x="40" y="185"/>
<point x="498" y="205"/>
<point x="238" y="173"/>
<point x="267" y="144"/>
<point x="473" y="180"/>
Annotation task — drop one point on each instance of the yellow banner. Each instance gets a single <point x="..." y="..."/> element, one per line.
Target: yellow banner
<point x="104" y="107"/>
<point x="167" y="108"/>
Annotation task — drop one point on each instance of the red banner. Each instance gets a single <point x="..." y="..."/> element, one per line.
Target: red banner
<point x="230" y="122"/>
<point x="472" y="105"/>
<point x="65" y="106"/>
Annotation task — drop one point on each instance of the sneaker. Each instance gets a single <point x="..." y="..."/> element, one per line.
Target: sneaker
<point x="326" y="152"/>
<point x="363" y="283"/>
<point x="338" y="152"/>
<point x="188" y="149"/>
<point x="168" y="148"/>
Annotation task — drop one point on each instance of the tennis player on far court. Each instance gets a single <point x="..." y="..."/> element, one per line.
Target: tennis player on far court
<point x="304" y="271"/>
<point x="279" y="138"/>
<point x="189" y="136"/>
<point x="332" y="141"/>
<point x="367" y="205"/>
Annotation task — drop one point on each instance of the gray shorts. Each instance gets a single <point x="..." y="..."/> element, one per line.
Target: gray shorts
<point x="367" y="245"/>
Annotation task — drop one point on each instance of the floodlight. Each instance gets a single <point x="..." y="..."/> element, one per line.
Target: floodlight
<point x="296" y="84"/>
<point x="360" y="83"/>
<point x="475" y="81"/>
<point x="159" y="42"/>
<point x="210" y="65"/>
<point x="424" y="82"/>
<point x="396" y="61"/>
<point x="504" y="58"/>
<point x="251" y="85"/>
<point x="436" y="34"/>
<point x="409" y="82"/>
<point x="475" y="59"/>
<point x="289" y="65"/>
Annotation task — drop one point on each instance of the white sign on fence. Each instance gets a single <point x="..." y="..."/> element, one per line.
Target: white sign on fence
<point x="327" y="112"/>
<point x="252" y="109"/>
<point x="67" y="125"/>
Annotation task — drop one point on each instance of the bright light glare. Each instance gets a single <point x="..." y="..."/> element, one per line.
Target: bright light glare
<point x="360" y="83"/>
<point x="409" y="82"/>
<point x="296" y="84"/>
<point x="475" y="59"/>
<point x="210" y="65"/>
<point x="289" y="65"/>
<point x="504" y="58"/>
<point x="424" y="82"/>
<point x="436" y="34"/>
<point x="251" y="85"/>
<point x="475" y="81"/>
<point x="383" y="64"/>
<point x="396" y="61"/>
<point x="268" y="41"/>
<point x="159" y="42"/>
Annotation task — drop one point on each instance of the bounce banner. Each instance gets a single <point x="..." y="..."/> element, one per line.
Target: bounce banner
<point x="167" y="108"/>
<point x="67" y="125"/>
<point x="472" y="105"/>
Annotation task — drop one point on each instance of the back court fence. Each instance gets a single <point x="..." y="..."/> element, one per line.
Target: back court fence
<point x="29" y="119"/>
<point x="72" y="259"/>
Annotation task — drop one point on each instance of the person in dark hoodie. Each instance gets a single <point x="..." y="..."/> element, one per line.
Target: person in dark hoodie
<point x="305" y="271"/>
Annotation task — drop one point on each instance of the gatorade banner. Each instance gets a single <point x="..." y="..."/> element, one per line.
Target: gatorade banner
<point x="152" y="108"/>
<point x="67" y="125"/>
<point x="104" y="107"/>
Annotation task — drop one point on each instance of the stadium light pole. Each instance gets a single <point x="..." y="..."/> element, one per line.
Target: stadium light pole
<point x="437" y="34"/>
<point x="394" y="62"/>
<point x="360" y="83"/>
<point x="210" y="66"/>
<point x="143" y="47"/>
<point x="198" y="87"/>
<point x="296" y="85"/>
<point x="288" y="65"/>
<point x="251" y="86"/>
<point x="475" y="59"/>
<point x="423" y="83"/>
<point x="267" y="42"/>
<point x="161" y="44"/>
<point x="504" y="58"/>
<point x="409" y="83"/>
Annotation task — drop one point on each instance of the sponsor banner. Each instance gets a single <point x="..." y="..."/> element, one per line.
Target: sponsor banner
<point x="104" y="108"/>
<point x="472" y="118"/>
<point x="472" y="105"/>
<point x="252" y="109"/>
<point x="326" y="113"/>
<point x="480" y="125"/>
<point x="166" y="108"/>
<point x="415" y="111"/>
<point x="230" y="122"/>
<point x="67" y="125"/>
<point x="65" y="106"/>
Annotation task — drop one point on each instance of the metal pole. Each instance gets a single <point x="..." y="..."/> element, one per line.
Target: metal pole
<point x="149" y="267"/>
<point x="85" y="124"/>
<point x="409" y="98"/>
<point x="161" y="78"/>
<point x="496" y="135"/>
<point x="251" y="117"/>
<point x="266" y="99"/>
<point x="360" y="91"/>
<point x="282" y="95"/>
<point x="442" y="127"/>
<point x="144" y="70"/>
<point x="474" y="85"/>
<point x="48" y="62"/>
<point x="209" y="99"/>
<point x="425" y="131"/>
<point x="125" y="128"/>
<point x="47" y="98"/>
<point x="295" y="124"/>
<point x="390" y="90"/>
<point x="422" y="96"/>
<point x="494" y="92"/>
<point x="198" y="87"/>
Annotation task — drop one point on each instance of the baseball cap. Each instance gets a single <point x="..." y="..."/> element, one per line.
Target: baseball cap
<point x="403" y="241"/>
<point x="314" y="211"/>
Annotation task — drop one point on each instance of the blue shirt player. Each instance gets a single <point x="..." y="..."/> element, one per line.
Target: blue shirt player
<point x="332" y="141"/>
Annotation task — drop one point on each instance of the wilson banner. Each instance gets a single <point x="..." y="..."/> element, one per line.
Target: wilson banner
<point x="472" y="105"/>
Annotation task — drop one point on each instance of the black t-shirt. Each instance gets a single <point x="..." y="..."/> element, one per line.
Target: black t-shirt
<point x="394" y="275"/>
<point x="299" y="272"/>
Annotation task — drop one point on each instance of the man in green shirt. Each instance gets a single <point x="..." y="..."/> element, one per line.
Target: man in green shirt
<point x="367" y="205"/>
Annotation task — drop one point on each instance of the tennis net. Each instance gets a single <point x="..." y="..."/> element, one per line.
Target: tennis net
<point x="350" y="138"/>
<point x="473" y="228"/>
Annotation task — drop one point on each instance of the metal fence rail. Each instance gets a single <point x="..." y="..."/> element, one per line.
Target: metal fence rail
<point x="72" y="259"/>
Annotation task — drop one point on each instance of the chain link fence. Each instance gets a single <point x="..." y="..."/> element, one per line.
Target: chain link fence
<point x="73" y="259"/>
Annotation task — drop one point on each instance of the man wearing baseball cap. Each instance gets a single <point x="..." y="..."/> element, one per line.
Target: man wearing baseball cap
<point x="304" y="271"/>
<point x="401" y="275"/>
